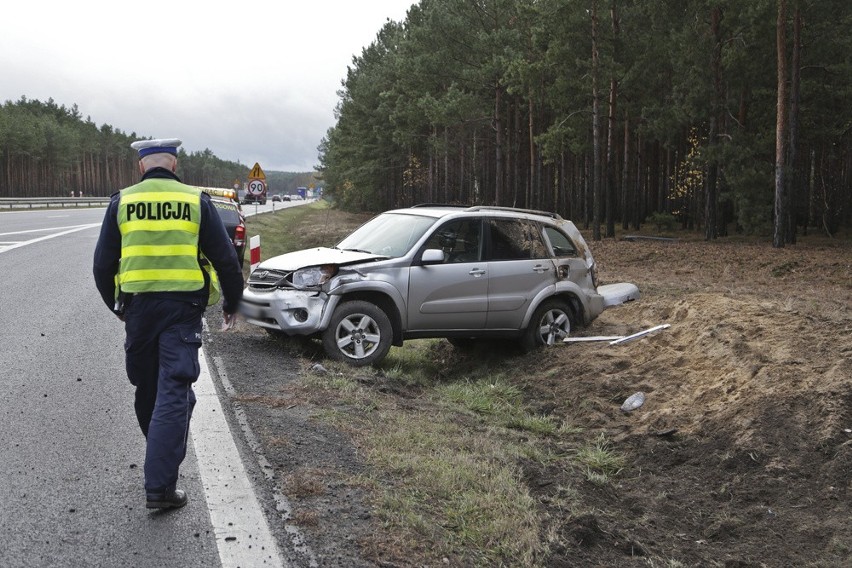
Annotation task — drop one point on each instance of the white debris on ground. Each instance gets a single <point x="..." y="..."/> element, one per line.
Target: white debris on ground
<point x="633" y="402"/>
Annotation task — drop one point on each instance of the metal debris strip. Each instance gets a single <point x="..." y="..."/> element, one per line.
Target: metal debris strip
<point x="639" y="334"/>
<point x="595" y="338"/>
<point x="615" y="339"/>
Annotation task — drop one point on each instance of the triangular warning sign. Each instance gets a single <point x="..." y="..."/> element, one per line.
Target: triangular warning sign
<point x="256" y="172"/>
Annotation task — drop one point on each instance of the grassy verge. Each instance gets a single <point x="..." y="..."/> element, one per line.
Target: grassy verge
<point x="311" y="225"/>
<point x="448" y="440"/>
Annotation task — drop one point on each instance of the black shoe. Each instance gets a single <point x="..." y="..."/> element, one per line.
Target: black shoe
<point x="173" y="499"/>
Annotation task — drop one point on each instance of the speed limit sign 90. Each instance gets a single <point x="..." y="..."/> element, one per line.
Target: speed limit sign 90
<point x="256" y="187"/>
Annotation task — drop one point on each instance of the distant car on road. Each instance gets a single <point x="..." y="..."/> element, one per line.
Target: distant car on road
<point x="461" y="273"/>
<point x="279" y="197"/>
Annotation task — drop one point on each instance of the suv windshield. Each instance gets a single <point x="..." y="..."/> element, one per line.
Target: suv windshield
<point x="389" y="234"/>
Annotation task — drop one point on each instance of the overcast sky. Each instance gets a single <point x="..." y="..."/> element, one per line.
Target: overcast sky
<point x="252" y="81"/>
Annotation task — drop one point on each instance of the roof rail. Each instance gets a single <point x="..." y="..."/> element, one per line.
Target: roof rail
<point x="550" y="214"/>
<point x="438" y="205"/>
<point x="530" y="211"/>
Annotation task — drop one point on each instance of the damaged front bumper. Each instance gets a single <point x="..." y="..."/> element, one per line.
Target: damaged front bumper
<point x="293" y="312"/>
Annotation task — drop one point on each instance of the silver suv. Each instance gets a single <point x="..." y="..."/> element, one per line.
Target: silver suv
<point x="434" y="271"/>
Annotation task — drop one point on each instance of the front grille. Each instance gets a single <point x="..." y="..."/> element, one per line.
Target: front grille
<point x="267" y="279"/>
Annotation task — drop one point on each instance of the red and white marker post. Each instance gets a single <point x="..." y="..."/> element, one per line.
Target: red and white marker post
<point x="254" y="251"/>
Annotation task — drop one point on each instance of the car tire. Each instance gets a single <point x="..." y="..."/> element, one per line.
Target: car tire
<point x="359" y="333"/>
<point x="550" y="324"/>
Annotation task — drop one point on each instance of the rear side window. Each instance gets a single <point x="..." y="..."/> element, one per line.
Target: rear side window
<point x="227" y="212"/>
<point x="515" y="239"/>
<point x="561" y="244"/>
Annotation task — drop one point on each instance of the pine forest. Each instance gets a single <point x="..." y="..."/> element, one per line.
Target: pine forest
<point x="711" y="115"/>
<point x="48" y="150"/>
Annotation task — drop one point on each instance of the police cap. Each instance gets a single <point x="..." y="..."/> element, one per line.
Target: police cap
<point x="157" y="146"/>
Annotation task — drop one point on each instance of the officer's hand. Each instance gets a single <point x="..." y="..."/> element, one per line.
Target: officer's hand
<point x="228" y="321"/>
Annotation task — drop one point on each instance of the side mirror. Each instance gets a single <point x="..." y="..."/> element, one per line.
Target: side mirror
<point x="432" y="256"/>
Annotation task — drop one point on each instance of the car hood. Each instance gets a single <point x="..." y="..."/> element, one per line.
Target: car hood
<point x="315" y="257"/>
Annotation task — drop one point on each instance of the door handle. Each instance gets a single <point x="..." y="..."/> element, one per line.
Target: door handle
<point x="477" y="272"/>
<point x="539" y="268"/>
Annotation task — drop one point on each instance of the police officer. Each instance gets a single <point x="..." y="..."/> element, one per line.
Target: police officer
<point x="162" y="257"/>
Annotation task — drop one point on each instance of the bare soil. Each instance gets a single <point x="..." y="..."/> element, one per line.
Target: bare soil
<point x="742" y="452"/>
<point x="740" y="456"/>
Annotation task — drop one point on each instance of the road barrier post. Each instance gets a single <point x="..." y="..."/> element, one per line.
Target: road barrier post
<point x="254" y="251"/>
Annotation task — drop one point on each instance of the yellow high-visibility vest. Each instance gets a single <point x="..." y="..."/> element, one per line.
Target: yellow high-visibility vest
<point x="159" y="221"/>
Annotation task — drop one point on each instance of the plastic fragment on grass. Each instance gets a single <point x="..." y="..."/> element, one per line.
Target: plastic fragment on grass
<point x="633" y="402"/>
<point x="639" y="334"/>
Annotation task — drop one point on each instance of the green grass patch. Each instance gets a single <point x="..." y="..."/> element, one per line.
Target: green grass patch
<point x="601" y="462"/>
<point x="535" y="424"/>
<point x="412" y="364"/>
<point x="455" y="488"/>
<point x="485" y="396"/>
<point x="331" y="381"/>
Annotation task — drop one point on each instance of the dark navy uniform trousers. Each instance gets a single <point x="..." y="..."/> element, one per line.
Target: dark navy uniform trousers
<point x="161" y="347"/>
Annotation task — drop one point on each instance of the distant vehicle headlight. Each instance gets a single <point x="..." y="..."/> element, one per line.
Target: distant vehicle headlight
<point x="313" y="276"/>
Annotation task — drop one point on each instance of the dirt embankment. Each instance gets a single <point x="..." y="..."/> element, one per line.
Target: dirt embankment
<point x="742" y="452"/>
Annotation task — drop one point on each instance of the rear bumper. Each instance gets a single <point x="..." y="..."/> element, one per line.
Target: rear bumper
<point x="617" y="294"/>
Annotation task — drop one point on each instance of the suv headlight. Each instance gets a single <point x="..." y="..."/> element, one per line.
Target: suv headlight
<point x="313" y="276"/>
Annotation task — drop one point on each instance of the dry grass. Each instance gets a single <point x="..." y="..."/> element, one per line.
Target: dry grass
<point x="305" y="483"/>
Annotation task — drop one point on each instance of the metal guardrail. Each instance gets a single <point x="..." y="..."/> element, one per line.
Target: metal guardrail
<point x="51" y="202"/>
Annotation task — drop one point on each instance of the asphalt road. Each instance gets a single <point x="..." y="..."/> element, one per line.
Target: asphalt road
<point x="71" y="480"/>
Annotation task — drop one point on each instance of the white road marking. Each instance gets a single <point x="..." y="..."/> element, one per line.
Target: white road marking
<point x="48" y="229"/>
<point x="282" y="504"/>
<point x="242" y="535"/>
<point x="46" y="237"/>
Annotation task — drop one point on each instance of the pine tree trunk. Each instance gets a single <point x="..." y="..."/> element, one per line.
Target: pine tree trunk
<point x="781" y="126"/>
<point x="610" y="161"/>
<point x="517" y="164"/>
<point x="625" y="173"/>
<point x="793" y="177"/>
<point x="498" y="150"/>
<point x="610" y="143"/>
<point x="445" y="191"/>
<point x="636" y="210"/>
<point x="531" y="177"/>
<point x="596" y="130"/>
<point x="711" y="179"/>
